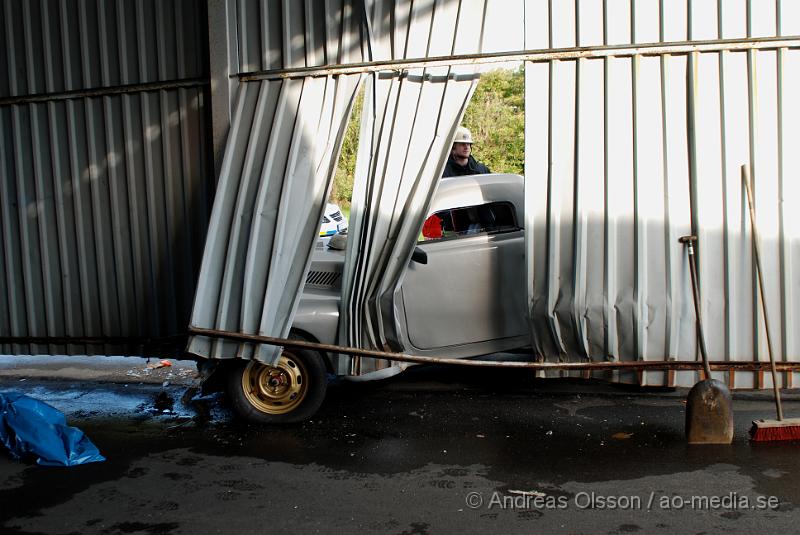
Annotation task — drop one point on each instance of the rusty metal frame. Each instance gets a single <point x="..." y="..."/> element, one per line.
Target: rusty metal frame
<point x="533" y="56"/>
<point x="588" y="366"/>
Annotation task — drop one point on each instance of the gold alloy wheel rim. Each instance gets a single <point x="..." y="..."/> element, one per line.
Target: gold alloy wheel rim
<point x="275" y="389"/>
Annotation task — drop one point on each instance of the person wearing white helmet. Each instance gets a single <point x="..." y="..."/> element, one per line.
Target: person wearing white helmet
<point x="461" y="162"/>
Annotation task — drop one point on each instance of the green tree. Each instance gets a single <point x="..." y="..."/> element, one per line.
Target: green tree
<point x="342" y="191"/>
<point x="495" y="116"/>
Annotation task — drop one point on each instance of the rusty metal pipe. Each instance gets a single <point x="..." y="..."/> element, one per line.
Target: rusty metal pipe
<point x="400" y="357"/>
<point x="533" y="56"/>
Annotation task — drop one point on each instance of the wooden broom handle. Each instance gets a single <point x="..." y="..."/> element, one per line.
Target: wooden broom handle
<point x="759" y="272"/>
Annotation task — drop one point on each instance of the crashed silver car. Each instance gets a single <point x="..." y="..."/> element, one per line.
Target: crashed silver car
<point x="463" y="295"/>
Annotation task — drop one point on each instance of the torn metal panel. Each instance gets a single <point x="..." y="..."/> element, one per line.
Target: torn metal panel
<point x="272" y="190"/>
<point x="280" y="157"/>
<point x="389" y="204"/>
<point x="626" y="154"/>
<point x="407" y="125"/>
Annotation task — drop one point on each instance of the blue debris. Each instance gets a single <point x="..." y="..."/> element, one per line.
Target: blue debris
<point x="30" y="428"/>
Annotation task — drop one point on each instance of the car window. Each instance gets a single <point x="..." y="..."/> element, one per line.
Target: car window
<point x="486" y="218"/>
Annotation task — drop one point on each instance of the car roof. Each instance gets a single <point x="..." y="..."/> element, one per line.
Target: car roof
<point x="473" y="190"/>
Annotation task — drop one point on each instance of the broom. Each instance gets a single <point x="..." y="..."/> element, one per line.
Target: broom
<point x="782" y="428"/>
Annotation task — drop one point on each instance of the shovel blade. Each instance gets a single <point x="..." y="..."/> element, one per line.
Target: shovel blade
<point x="709" y="413"/>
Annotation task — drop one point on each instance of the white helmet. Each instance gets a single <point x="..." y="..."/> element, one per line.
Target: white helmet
<point x="463" y="136"/>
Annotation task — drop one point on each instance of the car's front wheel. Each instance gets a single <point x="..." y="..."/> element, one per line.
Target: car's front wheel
<point x="290" y="391"/>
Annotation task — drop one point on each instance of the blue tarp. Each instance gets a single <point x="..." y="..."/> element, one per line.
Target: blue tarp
<point x="30" y="428"/>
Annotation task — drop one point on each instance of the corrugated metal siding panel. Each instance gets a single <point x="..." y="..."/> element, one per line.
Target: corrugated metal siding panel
<point x="276" y="172"/>
<point x="295" y="33"/>
<point x="256" y="42"/>
<point x="53" y="46"/>
<point x="614" y="177"/>
<point x="104" y="200"/>
<point x="104" y="204"/>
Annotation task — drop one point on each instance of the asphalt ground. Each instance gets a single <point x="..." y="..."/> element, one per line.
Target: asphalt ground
<point x="434" y="450"/>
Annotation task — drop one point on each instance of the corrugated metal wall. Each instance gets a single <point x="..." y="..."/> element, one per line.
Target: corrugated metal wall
<point x="104" y="173"/>
<point x="106" y="178"/>
<point x="626" y="154"/>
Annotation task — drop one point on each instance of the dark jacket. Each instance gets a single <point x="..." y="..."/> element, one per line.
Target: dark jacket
<point x="473" y="167"/>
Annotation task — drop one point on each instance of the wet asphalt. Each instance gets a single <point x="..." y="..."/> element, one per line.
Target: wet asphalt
<point x="435" y="450"/>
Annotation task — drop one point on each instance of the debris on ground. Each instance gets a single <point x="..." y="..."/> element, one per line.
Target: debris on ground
<point x="622" y="435"/>
<point x="163" y="402"/>
<point x="162" y="369"/>
<point x="207" y="407"/>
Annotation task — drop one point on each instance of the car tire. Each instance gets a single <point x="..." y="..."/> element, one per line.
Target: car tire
<point x="291" y="391"/>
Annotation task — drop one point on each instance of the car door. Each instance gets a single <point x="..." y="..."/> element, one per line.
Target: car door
<point x="471" y="293"/>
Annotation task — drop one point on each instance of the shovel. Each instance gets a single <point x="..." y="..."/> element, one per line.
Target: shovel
<point x="709" y="408"/>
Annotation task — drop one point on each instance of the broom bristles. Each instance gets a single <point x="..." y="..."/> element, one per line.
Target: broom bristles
<point x="774" y="430"/>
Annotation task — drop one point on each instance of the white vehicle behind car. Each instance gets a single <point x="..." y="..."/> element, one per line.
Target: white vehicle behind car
<point x="333" y="221"/>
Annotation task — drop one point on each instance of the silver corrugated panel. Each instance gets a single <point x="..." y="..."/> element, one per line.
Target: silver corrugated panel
<point x="247" y="38"/>
<point x="626" y="154"/>
<point x="104" y="179"/>
<point x="407" y="125"/>
<point x="269" y="36"/>
<point x="279" y="161"/>
<point x="296" y="33"/>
